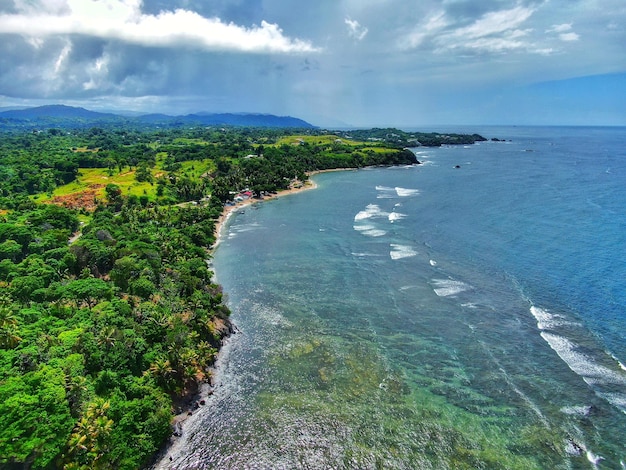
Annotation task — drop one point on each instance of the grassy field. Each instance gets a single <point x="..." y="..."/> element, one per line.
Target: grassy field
<point x="94" y="180"/>
<point x="316" y="140"/>
<point x="330" y="140"/>
<point x="91" y="183"/>
<point x="189" y="141"/>
<point x="197" y="168"/>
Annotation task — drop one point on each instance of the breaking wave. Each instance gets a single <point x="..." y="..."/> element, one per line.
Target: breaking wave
<point x="403" y="192"/>
<point x="401" y="251"/>
<point x="595" y="367"/>
<point x="371" y="211"/>
<point x="449" y="287"/>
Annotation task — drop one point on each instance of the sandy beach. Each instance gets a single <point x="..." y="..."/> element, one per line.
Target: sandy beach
<point x="231" y="209"/>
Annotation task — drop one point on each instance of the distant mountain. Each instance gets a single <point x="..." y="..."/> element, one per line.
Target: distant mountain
<point x="56" y="111"/>
<point x="69" y="116"/>
<point x="154" y="118"/>
<point x="243" y="119"/>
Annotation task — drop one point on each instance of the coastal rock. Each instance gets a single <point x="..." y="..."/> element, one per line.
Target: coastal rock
<point x="223" y="326"/>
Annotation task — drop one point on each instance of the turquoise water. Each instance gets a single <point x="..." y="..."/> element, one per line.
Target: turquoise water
<point x="430" y="316"/>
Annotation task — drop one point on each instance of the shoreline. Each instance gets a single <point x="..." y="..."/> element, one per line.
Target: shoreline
<point x="228" y="211"/>
<point x="199" y="397"/>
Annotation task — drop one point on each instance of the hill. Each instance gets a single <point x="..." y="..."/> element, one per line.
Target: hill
<point x="69" y="116"/>
<point x="55" y="111"/>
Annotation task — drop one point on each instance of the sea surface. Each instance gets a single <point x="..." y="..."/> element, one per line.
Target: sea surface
<point x="429" y="316"/>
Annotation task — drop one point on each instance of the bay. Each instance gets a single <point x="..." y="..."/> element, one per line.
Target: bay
<point x="464" y="313"/>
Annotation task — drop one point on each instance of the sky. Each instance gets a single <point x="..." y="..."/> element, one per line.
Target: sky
<point x="363" y="63"/>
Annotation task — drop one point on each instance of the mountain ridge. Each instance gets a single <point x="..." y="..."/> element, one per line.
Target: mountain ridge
<point x="71" y="116"/>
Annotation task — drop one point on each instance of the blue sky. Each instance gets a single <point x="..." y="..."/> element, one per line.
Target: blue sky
<point x="405" y="63"/>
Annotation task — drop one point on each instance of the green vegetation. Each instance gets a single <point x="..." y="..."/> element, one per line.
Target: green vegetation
<point x="103" y="330"/>
<point x="427" y="139"/>
<point x="98" y="337"/>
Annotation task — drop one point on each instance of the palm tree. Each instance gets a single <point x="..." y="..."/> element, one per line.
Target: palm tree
<point x="107" y="337"/>
<point x="8" y="328"/>
<point x="88" y="445"/>
<point x="162" y="371"/>
<point x="75" y="387"/>
<point x="206" y="353"/>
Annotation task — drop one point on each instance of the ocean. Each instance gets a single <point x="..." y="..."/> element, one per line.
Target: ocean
<point x="469" y="312"/>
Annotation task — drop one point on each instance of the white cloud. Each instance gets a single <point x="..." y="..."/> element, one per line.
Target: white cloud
<point x="98" y="73"/>
<point x="560" y="28"/>
<point x="495" y="23"/>
<point x="123" y="20"/>
<point x="496" y="31"/>
<point x="569" y="37"/>
<point x="48" y="6"/>
<point x="65" y="52"/>
<point x="564" y="31"/>
<point x="355" y="30"/>
<point x="434" y="24"/>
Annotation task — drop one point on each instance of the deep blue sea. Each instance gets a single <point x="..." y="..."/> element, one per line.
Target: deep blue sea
<point x="430" y="316"/>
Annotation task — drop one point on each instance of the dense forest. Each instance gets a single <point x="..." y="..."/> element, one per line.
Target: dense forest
<point x="108" y="314"/>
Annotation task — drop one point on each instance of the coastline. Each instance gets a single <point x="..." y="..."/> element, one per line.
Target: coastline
<point x="228" y="211"/>
<point x="199" y="398"/>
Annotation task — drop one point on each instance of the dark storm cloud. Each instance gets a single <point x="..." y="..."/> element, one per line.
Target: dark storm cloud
<point x="355" y="60"/>
<point x="7" y="6"/>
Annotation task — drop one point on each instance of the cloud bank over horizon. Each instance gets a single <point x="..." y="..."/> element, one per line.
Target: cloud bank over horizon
<point x="367" y="62"/>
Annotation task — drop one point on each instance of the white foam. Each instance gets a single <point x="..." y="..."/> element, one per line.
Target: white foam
<point x="396" y="216"/>
<point x="374" y="233"/>
<point x="449" y="287"/>
<point x="615" y="399"/>
<point x="385" y="192"/>
<point x="403" y="192"/>
<point x="594" y="459"/>
<point x="365" y="255"/>
<point x="582" y="364"/>
<point x="549" y="321"/>
<point x="433" y="262"/>
<point x="371" y="211"/>
<point x="572" y="448"/>
<point x="619" y="363"/>
<point x="545" y="320"/>
<point x="362" y="215"/>
<point x="576" y="410"/>
<point x="401" y="251"/>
